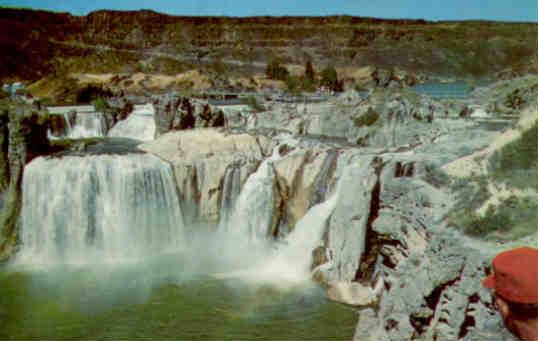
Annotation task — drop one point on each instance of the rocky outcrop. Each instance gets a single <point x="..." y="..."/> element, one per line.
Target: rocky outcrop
<point x="432" y="278"/>
<point x="59" y="124"/>
<point x="303" y="180"/>
<point x="118" y="109"/>
<point x="386" y="118"/>
<point x="24" y="136"/>
<point x="508" y="96"/>
<point x="347" y="228"/>
<point x="384" y="78"/>
<point x="173" y="112"/>
<point x="200" y="158"/>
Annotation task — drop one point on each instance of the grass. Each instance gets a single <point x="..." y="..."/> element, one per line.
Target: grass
<point x="435" y="176"/>
<point x="512" y="218"/>
<point x="516" y="163"/>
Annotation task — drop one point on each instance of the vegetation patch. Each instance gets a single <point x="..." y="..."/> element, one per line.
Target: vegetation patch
<point x="275" y="70"/>
<point x="513" y="218"/>
<point x="367" y="119"/>
<point x="517" y="162"/>
<point x="254" y="104"/>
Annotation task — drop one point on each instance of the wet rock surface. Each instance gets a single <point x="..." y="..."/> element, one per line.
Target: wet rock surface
<point x="23" y="137"/>
<point x="200" y="159"/>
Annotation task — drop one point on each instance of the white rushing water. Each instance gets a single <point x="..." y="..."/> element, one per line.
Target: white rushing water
<point x="231" y="188"/>
<point x="279" y="262"/>
<point x="82" y="125"/>
<point x="253" y="212"/>
<point x="140" y="125"/>
<point x="292" y="260"/>
<point x="98" y="209"/>
<point x="88" y="125"/>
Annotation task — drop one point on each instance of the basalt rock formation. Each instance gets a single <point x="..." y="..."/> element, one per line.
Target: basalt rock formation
<point x="115" y="41"/>
<point x="173" y="112"/>
<point x="23" y="134"/>
<point x="200" y="159"/>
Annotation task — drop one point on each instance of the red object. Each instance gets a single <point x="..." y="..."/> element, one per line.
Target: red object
<point x="515" y="276"/>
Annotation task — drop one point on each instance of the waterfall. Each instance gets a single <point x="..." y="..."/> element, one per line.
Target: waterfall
<point x="140" y="125"/>
<point x="231" y="188"/>
<point x="98" y="208"/>
<point x="290" y="261"/>
<point x="293" y="259"/>
<point x="88" y="125"/>
<point x="253" y="212"/>
<point x="80" y="125"/>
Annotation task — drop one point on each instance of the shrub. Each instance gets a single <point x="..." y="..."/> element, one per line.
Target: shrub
<point x="329" y="78"/>
<point x="516" y="163"/>
<point x="100" y="104"/>
<point x="253" y="103"/>
<point x="308" y="85"/>
<point x="493" y="220"/>
<point x="513" y="217"/>
<point x="367" y="119"/>
<point x="275" y="70"/>
<point x="293" y="85"/>
<point x="90" y="93"/>
<point x="309" y="73"/>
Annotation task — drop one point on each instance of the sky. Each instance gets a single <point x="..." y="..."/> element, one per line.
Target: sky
<point x="505" y="10"/>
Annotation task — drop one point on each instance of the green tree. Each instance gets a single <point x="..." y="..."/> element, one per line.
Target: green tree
<point x="309" y="73"/>
<point x="100" y="104"/>
<point x="275" y="70"/>
<point x="293" y="85"/>
<point x="329" y="78"/>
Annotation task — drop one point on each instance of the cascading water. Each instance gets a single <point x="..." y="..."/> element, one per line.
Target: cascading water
<point x="231" y="188"/>
<point x="140" y="125"/>
<point x="292" y="260"/>
<point x="88" y="125"/>
<point x="286" y="261"/>
<point x="253" y="213"/>
<point x="98" y="208"/>
<point x="81" y="125"/>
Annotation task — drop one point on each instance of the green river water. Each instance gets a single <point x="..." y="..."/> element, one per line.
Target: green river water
<point x="161" y="299"/>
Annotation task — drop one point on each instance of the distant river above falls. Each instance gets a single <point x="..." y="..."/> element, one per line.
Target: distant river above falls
<point x="161" y="299"/>
<point x="455" y="89"/>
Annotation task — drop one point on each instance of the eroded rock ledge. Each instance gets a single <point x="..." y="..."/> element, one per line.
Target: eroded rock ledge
<point x="200" y="159"/>
<point x="23" y="136"/>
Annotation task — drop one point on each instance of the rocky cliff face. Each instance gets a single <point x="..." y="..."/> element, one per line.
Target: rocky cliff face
<point x="43" y="39"/>
<point x="385" y="247"/>
<point x="23" y="137"/>
<point x="200" y="159"/>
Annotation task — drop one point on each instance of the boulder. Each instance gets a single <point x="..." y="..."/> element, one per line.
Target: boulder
<point x="355" y="294"/>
